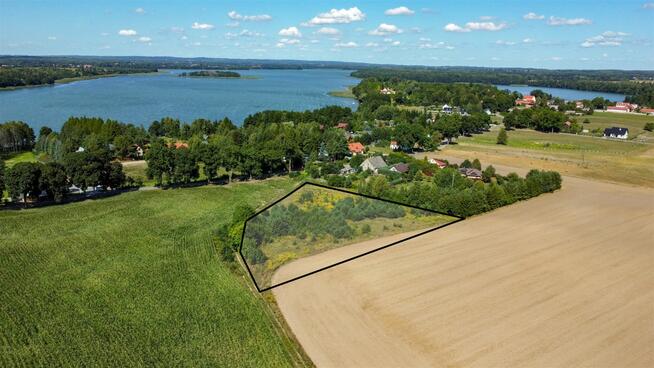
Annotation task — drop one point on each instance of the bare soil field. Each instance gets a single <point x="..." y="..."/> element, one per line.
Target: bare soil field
<point x="561" y="280"/>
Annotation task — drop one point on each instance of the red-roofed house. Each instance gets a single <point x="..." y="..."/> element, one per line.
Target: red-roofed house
<point x="618" y="109"/>
<point x="439" y="163"/>
<point x="526" y="101"/>
<point x="647" y="111"/>
<point x="179" y="145"/>
<point x="342" y="126"/>
<point x="355" y="148"/>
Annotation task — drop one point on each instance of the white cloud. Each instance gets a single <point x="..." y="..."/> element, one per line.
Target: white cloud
<point x="451" y="27"/>
<point x="495" y="58"/>
<point x="139" y="11"/>
<point x="314" y="41"/>
<point x="528" y="40"/>
<point x="372" y="44"/>
<point x="648" y="6"/>
<point x="556" y="21"/>
<point x="487" y="17"/>
<point x="290" y="32"/>
<point x="248" y="18"/>
<point x="395" y="43"/>
<point x="485" y="26"/>
<point x="243" y="33"/>
<point x="104" y="34"/>
<point x="504" y="43"/>
<point x="328" y="31"/>
<point x="233" y="24"/>
<point x="437" y="45"/>
<point x="608" y="38"/>
<point x="401" y="10"/>
<point x="286" y="41"/>
<point x="337" y="16"/>
<point x="145" y="39"/>
<point x="347" y="45"/>
<point x="52" y="38"/>
<point x="533" y="16"/>
<point x="556" y="58"/>
<point x="177" y="29"/>
<point x="475" y="26"/>
<point x="127" y="32"/>
<point x="385" y="29"/>
<point x="202" y="26"/>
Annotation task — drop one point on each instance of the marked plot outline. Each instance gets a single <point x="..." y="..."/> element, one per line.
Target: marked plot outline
<point x="330" y="199"/>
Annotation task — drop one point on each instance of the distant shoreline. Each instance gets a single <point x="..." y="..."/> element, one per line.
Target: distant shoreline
<point x="71" y="80"/>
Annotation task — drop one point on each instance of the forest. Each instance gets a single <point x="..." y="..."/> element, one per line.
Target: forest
<point x="638" y="86"/>
<point x="34" y="76"/>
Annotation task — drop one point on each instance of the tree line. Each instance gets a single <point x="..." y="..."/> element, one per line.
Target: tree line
<point x="32" y="76"/>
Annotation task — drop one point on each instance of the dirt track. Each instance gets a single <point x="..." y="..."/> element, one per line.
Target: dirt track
<point x="564" y="279"/>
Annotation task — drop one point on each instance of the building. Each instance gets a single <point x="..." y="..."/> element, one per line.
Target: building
<point x="179" y="145"/>
<point x="446" y="109"/>
<point x="615" y="132"/>
<point x="579" y="105"/>
<point x="373" y="164"/>
<point x="526" y="101"/>
<point x="394" y="146"/>
<point x="342" y="125"/>
<point x="355" y="148"/>
<point x="347" y="170"/>
<point x="439" y="163"/>
<point x="387" y="91"/>
<point x="470" y="173"/>
<point x="647" y="111"/>
<point x="622" y="107"/>
<point x="400" y="168"/>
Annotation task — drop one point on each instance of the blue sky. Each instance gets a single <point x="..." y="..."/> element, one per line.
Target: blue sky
<point x="548" y="34"/>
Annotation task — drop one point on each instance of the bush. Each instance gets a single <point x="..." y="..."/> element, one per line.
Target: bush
<point x="502" y="137"/>
<point x="649" y="126"/>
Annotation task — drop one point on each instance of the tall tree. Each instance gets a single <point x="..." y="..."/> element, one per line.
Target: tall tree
<point x="23" y="180"/>
<point x="54" y="180"/>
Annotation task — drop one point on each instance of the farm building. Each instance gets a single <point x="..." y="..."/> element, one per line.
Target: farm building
<point x="373" y="164"/>
<point x="400" y="168"/>
<point x="394" y="146"/>
<point x="615" y="132"/>
<point x="347" y="170"/>
<point x="470" y="173"/>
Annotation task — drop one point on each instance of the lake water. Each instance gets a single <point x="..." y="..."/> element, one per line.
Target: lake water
<point x="141" y="99"/>
<point x="564" y="93"/>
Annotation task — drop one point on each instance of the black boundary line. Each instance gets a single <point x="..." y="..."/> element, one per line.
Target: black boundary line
<point x="240" y="249"/>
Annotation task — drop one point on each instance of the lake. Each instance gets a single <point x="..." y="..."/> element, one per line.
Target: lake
<point x="141" y="99"/>
<point x="564" y="93"/>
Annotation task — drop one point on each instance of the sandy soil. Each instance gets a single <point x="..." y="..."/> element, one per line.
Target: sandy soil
<point x="562" y="280"/>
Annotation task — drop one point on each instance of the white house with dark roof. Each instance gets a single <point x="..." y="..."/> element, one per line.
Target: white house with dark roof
<point x="373" y="164"/>
<point x="615" y="132"/>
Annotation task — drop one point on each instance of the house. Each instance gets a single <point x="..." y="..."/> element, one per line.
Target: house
<point x="526" y="101"/>
<point x="579" y="105"/>
<point x="394" y="146"/>
<point x="488" y="112"/>
<point x="439" y="163"/>
<point x="622" y="107"/>
<point x="615" y="132"/>
<point x="179" y="145"/>
<point x="387" y="91"/>
<point x="342" y="126"/>
<point x="470" y="173"/>
<point x="446" y="109"/>
<point x="138" y="151"/>
<point x="355" y="148"/>
<point x="80" y="149"/>
<point x="373" y="164"/>
<point x="568" y="123"/>
<point x="400" y="168"/>
<point x="647" y="111"/>
<point x="347" y="170"/>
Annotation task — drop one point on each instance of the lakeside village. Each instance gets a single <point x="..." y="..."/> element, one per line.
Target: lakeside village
<point x="344" y="155"/>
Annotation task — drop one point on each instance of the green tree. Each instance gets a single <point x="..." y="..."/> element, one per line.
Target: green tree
<point x="186" y="168"/>
<point x="502" y="137"/>
<point x="476" y="164"/>
<point x="335" y="143"/>
<point x="54" y="180"/>
<point x="160" y="162"/>
<point x="649" y="126"/>
<point x="23" y="180"/>
<point x="488" y="174"/>
<point x="2" y="178"/>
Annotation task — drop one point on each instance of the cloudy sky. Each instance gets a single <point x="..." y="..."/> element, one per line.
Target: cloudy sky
<point x="549" y="34"/>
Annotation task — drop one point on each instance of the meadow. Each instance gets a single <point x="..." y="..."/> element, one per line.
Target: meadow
<point x="135" y="280"/>
<point x="635" y="123"/>
<point x="576" y="155"/>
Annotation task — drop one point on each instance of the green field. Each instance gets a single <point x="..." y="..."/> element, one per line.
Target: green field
<point x="577" y="155"/>
<point x="635" y="123"/>
<point x="12" y="159"/>
<point x="134" y="280"/>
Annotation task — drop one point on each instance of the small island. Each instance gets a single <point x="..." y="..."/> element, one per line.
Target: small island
<point x="211" y="74"/>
